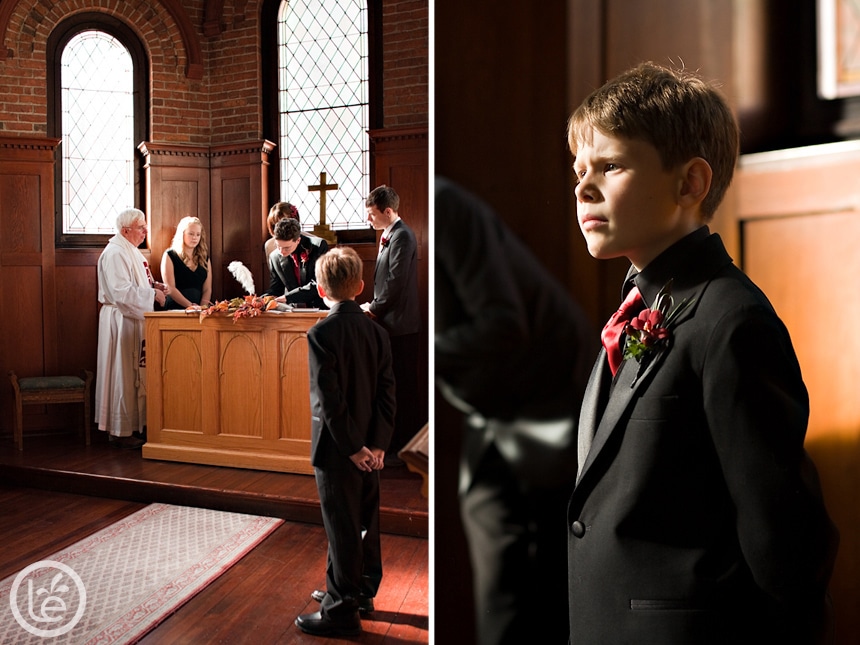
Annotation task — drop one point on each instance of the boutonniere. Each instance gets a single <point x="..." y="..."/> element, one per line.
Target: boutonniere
<point x="384" y="242"/>
<point x="304" y="256"/>
<point x="651" y="330"/>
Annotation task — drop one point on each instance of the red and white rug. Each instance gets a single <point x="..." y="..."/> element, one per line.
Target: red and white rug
<point x="119" y="583"/>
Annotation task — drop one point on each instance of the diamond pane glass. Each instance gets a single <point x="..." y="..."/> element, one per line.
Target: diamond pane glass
<point x="98" y="132"/>
<point x="322" y="98"/>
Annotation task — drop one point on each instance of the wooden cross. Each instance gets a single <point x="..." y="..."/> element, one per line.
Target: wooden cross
<point x="322" y="187"/>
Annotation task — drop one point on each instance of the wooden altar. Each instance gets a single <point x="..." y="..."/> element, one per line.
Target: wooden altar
<point x="229" y="393"/>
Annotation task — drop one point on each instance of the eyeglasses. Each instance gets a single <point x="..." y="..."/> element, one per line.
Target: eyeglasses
<point x="137" y="228"/>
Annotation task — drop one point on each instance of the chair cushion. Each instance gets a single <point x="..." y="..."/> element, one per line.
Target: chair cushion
<point x="51" y="383"/>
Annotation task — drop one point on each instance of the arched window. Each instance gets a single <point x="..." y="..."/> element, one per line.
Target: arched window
<point x="99" y="113"/>
<point x="323" y="111"/>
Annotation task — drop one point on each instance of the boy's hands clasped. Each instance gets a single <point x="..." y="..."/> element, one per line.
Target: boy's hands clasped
<point x="369" y="460"/>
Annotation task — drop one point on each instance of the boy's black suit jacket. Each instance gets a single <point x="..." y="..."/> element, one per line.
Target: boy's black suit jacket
<point x="697" y="516"/>
<point x="352" y="384"/>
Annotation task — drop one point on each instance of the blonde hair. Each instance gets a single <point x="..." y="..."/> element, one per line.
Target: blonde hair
<point x="201" y="251"/>
<point x="339" y="272"/>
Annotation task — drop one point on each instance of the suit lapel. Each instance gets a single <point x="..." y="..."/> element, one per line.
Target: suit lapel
<point x="604" y="424"/>
<point x="691" y="281"/>
<point x="631" y="378"/>
<point x="382" y="256"/>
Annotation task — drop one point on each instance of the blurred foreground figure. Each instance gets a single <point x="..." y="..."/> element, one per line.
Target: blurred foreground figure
<point x="513" y="353"/>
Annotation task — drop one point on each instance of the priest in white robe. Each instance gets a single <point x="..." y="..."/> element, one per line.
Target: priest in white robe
<point x="126" y="292"/>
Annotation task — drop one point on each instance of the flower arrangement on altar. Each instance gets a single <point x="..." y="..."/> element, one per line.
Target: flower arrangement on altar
<point x="246" y="306"/>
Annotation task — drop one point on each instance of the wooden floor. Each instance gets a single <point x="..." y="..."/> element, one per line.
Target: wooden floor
<point x="58" y="491"/>
<point x="61" y="462"/>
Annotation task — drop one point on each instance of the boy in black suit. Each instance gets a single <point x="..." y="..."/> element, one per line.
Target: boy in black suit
<point x="697" y="516"/>
<point x="352" y="403"/>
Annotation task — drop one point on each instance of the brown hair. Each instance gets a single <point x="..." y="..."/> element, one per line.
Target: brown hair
<point x="339" y="272"/>
<point x="383" y="197"/>
<point x="677" y="112"/>
<point x="281" y="210"/>
<point x="287" y="230"/>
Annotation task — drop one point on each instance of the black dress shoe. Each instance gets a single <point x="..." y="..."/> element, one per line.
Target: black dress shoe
<point x="320" y="625"/>
<point x="365" y="604"/>
<point x="126" y="443"/>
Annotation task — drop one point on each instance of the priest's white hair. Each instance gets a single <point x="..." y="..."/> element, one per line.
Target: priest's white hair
<point x="128" y="217"/>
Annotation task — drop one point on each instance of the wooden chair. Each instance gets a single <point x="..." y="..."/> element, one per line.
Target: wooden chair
<point x="416" y="454"/>
<point x="47" y="390"/>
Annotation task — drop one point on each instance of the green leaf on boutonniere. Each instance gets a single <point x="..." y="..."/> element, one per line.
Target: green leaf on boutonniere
<point x="650" y="331"/>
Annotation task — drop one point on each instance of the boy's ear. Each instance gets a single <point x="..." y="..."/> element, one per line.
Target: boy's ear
<point x="695" y="181"/>
<point x="360" y="287"/>
<point x="321" y="291"/>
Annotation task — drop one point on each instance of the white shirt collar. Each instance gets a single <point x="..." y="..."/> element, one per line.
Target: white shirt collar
<point x="390" y="226"/>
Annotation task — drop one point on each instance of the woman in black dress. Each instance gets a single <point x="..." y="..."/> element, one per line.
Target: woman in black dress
<point x="186" y="266"/>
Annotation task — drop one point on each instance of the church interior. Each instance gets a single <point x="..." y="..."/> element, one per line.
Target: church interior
<point x="207" y="141"/>
<point x="789" y="219"/>
<point x="203" y="134"/>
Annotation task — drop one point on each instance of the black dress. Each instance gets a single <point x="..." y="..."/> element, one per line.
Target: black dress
<point x="190" y="283"/>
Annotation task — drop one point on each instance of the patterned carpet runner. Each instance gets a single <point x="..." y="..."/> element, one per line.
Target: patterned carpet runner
<point x="119" y="583"/>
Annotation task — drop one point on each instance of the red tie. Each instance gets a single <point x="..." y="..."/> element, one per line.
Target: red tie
<point x="612" y="331"/>
<point x="296" y="269"/>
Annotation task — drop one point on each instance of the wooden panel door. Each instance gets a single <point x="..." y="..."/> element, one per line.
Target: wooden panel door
<point x="800" y="229"/>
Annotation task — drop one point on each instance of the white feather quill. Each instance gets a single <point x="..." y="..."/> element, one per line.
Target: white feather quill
<point x="243" y="275"/>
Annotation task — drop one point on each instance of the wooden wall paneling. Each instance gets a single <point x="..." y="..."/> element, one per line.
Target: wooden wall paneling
<point x="239" y="187"/>
<point x="799" y="213"/>
<point x="28" y="326"/>
<point x="501" y="106"/>
<point x="177" y="184"/>
<point x="77" y="309"/>
<point x="234" y="192"/>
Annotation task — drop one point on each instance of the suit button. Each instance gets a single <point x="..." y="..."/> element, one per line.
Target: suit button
<point x="578" y="529"/>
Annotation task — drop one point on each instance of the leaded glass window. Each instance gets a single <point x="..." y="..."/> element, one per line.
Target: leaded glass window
<point x="323" y="108"/>
<point x="98" y="148"/>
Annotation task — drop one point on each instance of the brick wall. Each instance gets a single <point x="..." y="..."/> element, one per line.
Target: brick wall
<point x="219" y="101"/>
<point x="405" y="63"/>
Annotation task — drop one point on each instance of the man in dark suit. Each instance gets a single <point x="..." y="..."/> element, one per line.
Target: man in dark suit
<point x="292" y="266"/>
<point x="352" y="407"/>
<point x="395" y="306"/>
<point x="513" y="352"/>
<point x="697" y="516"/>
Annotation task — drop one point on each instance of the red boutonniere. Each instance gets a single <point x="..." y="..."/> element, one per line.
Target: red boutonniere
<point x="650" y="331"/>
<point x="384" y="242"/>
<point x="304" y="256"/>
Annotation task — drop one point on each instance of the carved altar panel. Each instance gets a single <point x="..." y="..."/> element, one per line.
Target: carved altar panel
<point x="294" y="384"/>
<point x="182" y="390"/>
<point x="229" y="394"/>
